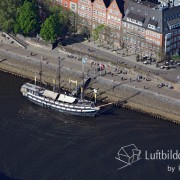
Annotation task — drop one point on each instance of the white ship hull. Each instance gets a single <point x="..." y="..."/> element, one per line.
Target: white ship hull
<point x="73" y="108"/>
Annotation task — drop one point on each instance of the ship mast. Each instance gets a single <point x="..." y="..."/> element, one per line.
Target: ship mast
<point x="40" y="71"/>
<point x="84" y="60"/>
<point x="59" y="74"/>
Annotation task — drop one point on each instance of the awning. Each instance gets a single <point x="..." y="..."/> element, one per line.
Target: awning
<point x="50" y="94"/>
<point x="65" y="98"/>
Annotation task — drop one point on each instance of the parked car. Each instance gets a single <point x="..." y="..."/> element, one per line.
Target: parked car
<point x="167" y="67"/>
<point x="160" y="85"/>
<point x="172" y="66"/>
<point x="170" y="86"/>
<point x="162" y="67"/>
<point x="124" y="72"/>
<point x="148" y="79"/>
<point x="70" y="56"/>
<point x="146" y="62"/>
<point x="139" y="76"/>
<point x="167" y="63"/>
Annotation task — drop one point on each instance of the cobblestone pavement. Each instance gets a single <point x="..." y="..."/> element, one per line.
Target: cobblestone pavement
<point x="109" y="73"/>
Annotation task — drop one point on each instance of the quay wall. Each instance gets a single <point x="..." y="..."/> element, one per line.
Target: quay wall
<point x="141" y="100"/>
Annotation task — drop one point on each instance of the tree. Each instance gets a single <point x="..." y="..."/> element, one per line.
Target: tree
<point x="51" y="29"/>
<point x="161" y="54"/>
<point x="96" y="32"/>
<point x="27" y="19"/>
<point x="8" y="11"/>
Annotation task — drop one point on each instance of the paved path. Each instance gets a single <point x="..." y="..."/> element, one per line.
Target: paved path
<point x="72" y="63"/>
<point x="129" y="61"/>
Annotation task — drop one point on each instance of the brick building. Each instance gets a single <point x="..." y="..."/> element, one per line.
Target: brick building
<point x="85" y="9"/>
<point x="69" y="4"/>
<point x="100" y="12"/>
<point x="151" y="27"/>
<point x="146" y="26"/>
<point x="114" y="14"/>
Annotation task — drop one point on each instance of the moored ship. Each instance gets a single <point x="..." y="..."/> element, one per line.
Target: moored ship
<point x="58" y="101"/>
<point x="62" y="102"/>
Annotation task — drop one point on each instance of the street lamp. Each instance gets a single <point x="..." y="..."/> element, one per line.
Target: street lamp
<point x="95" y="95"/>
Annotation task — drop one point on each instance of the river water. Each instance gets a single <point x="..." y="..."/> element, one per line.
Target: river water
<point x="36" y="143"/>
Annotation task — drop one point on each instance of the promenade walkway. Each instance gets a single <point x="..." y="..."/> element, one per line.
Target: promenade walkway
<point x="73" y="64"/>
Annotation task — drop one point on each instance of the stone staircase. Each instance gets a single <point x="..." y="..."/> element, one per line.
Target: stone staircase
<point x="16" y="40"/>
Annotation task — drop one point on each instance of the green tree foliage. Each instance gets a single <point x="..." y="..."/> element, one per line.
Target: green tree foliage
<point x="96" y="32"/>
<point x="66" y="18"/>
<point x="27" y="19"/>
<point x="51" y="29"/>
<point x="8" y="11"/>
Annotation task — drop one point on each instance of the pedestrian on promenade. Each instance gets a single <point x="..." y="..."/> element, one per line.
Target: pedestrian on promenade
<point x="121" y="78"/>
<point x="113" y="87"/>
<point x="105" y="72"/>
<point x="130" y="79"/>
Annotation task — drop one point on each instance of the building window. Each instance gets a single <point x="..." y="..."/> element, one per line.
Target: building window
<point x="73" y="6"/>
<point x="65" y="4"/>
<point x="147" y="32"/>
<point x="151" y="26"/>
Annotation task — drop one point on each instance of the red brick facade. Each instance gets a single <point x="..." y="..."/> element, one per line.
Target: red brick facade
<point x="69" y="4"/>
<point x="99" y="12"/>
<point x="85" y="8"/>
<point x="114" y="16"/>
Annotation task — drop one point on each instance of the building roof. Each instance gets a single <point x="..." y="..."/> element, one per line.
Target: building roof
<point x="155" y="14"/>
<point x="169" y="15"/>
<point x="135" y="16"/>
<point x="152" y="22"/>
<point x="173" y="21"/>
<point x="120" y="4"/>
<point x="143" y="12"/>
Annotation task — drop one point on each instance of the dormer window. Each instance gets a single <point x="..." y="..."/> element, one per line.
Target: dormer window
<point x="151" y="26"/>
<point x="135" y="18"/>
